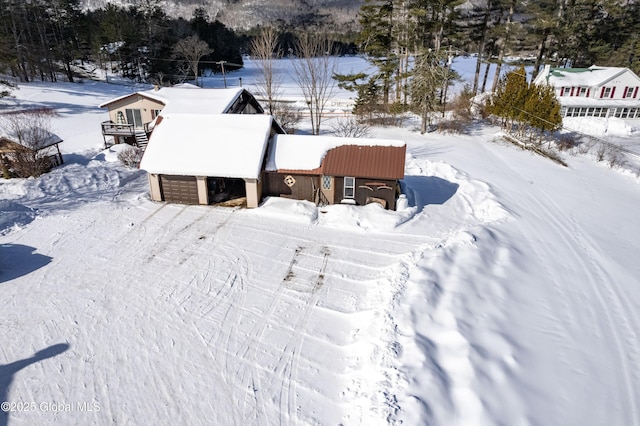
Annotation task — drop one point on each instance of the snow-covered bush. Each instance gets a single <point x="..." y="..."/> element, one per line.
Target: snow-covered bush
<point x="130" y="157"/>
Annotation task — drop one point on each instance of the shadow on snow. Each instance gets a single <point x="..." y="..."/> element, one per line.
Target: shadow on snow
<point x="7" y="372"/>
<point x="17" y="260"/>
<point x="424" y="190"/>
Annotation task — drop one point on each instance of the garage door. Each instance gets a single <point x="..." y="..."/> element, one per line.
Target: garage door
<point x="179" y="189"/>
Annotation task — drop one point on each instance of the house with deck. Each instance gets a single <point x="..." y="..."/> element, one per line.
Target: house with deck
<point x="210" y="146"/>
<point x="594" y="91"/>
<point x="132" y="116"/>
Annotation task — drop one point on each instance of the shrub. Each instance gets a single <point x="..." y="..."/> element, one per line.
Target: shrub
<point x="130" y="157"/>
<point x="616" y="158"/>
<point x="350" y="128"/>
<point x="601" y="152"/>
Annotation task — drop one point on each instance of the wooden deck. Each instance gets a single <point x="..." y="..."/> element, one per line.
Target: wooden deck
<point x="110" y="128"/>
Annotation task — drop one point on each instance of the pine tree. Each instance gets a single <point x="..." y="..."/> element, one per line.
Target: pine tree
<point x="429" y="76"/>
<point x="377" y="41"/>
<point x="508" y="101"/>
<point x="542" y="109"/>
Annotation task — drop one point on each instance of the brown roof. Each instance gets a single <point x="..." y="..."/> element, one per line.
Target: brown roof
<point x="382" y="162"/>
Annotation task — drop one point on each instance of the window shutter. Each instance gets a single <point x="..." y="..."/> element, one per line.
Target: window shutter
<point x="571" y="91"/>
<point x="613" y="91"/>
<point x="588" y="91"/>
<point x="624" y="94"/>
<point x="602" y="92"/>
<point x="635" y="93"/>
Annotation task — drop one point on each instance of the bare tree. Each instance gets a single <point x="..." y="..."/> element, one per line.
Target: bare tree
<point x="265" y="50"/>
<point x="192" y="49"/>
<point x="351" y="128"/>
<point x="314" y="69"/>
<point x="30" y="133"/>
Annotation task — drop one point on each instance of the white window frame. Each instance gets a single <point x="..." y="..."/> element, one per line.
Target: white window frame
<point x="629" y="92"/>
<point x="351" y="187"/>
<point x="606" y="93"/>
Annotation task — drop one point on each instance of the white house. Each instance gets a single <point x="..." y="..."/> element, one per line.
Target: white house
<point x="594" y="91"/>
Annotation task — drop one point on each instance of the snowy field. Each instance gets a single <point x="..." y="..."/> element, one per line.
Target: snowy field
<point x="506" y="293"/>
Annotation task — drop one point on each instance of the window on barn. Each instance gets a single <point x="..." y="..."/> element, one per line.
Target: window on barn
<point x="349" y="187"/>
<point x="134" y="117"/>
<point x="326" y="182"/>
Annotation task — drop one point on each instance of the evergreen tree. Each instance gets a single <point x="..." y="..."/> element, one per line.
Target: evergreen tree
<point x="508" y="101"/>
<point x="377" y="41"/>
<point x="429" y="76"/>
<point x="542" y="109"/>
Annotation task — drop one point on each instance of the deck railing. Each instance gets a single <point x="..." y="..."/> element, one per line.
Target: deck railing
<point x="111" y="128"/>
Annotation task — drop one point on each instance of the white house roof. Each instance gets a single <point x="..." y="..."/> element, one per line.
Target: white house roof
<point x="584" y="77"/>
<point x="187" y="98"/>
<point x="304" y="152"/>
<point x="225" y="145"/>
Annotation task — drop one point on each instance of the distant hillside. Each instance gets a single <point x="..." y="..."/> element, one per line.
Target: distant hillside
<point x="244" y="14"/>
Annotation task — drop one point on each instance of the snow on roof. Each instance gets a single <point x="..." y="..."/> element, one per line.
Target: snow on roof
<point x="586" y="77"/>
<point x="38" y="135"/>
<point x="225" y="145"/>
<point x="187" y="98"/>
<point x="303" y="152"/>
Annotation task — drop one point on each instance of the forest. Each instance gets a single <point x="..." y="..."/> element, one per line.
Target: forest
<point x="48" y="39"/>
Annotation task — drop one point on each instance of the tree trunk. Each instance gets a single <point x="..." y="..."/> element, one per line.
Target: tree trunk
<point x="541" y="51"/>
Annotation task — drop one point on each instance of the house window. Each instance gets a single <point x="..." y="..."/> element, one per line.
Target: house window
<point x="606" y="92"/>
<point x="134" y="117"/>
<point x="349" y="187"/>
<point x="582" y="91"/>
<point x="120" y="118"/>
<point x="326" y="182"/>
<point x="628" y="93"/>
<point x="155" y="113"/>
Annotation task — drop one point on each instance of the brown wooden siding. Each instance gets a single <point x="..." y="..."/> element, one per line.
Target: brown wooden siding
<point x="303" y="189"/>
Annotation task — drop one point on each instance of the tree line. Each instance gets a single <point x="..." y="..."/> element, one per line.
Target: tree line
<point x="46" y="39"/>
<point x="412" y="43"/>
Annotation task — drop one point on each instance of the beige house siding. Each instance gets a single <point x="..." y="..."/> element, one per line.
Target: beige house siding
<point x="154" y="185"/>
<point x="254" y="190"/>
<point x="145" y="105"/>
<point x="203" y="194"/>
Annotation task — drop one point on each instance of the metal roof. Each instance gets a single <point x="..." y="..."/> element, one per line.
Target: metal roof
<point x="365" y="161"/>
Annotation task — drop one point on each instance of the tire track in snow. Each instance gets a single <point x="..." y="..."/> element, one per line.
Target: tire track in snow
<point x="287" y="365"/>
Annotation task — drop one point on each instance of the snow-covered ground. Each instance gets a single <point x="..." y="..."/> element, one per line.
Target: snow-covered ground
<point x="506" y="293"/>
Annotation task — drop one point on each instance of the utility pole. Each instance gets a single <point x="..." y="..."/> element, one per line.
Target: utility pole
<point x="224" y="77"/>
